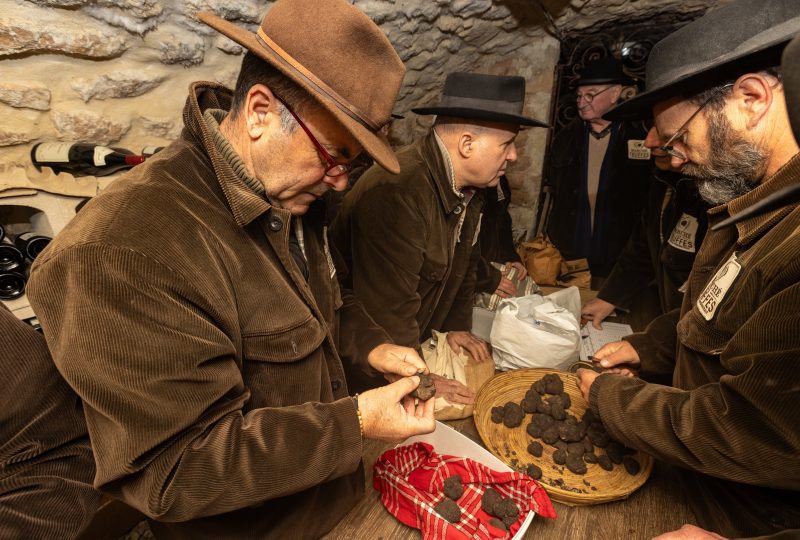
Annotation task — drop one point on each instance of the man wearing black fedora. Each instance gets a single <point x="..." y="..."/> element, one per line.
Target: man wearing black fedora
<point x="411" y="240"/>
<point x="598" y="173"/>
<point x="194" y="305"/>
<point x="729" y="419"/>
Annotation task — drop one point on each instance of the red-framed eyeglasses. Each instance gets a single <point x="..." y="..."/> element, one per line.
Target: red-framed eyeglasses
<point x="333" y="168"/>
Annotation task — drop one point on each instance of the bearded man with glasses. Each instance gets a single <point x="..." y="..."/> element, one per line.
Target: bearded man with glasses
<point x="729" y="418"/>
<point x="598" y="174"/>
<point x="194" y="305"/>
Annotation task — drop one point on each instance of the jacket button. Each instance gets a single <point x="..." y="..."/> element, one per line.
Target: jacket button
<point x="336" y="384"/>
<point x="275" y="224"/>
<point x="457" y="210"/>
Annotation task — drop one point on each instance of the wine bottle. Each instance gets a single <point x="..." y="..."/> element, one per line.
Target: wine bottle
<point x="12" y="285"/>
<point x="31" y="244"/>
<point x="149" y="151"/>
<point x="11" y="258"/>
<point x="82" y="159"/>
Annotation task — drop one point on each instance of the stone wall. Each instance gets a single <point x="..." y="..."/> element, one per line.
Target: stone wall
<point x="116" y="72"/>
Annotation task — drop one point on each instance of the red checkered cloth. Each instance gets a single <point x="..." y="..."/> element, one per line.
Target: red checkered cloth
<point x="411" y="478"/>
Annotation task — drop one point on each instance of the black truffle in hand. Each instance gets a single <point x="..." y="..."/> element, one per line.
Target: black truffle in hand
<point x="453" y="488"/>
<point x="449" y="510"/>
<point x="426" y="389"/>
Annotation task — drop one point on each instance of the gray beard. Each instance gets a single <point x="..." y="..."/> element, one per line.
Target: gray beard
<point x="735" y="166"/>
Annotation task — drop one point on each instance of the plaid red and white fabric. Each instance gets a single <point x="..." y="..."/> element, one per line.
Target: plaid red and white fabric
<point x="411" y="478"/>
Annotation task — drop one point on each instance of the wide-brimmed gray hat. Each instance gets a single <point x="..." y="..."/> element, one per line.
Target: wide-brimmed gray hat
<point x="495" y="98"/>
<point x="742" y="35"/>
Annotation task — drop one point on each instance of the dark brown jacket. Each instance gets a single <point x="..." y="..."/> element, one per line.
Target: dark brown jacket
<point x="215" y="395"/>
<point x="46" y="464"/>
<point x="411" y="246"/>
<point x="732" y="411"/>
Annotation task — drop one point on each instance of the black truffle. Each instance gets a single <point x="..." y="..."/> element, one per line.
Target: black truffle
<point x="535" y="449"/>
<point x="534" y="472"/>
<point x="449" y="510"/>
<point x="498" y="523"/>
<point x="497" y="414"/>
<point x="590" y="457"/>
<point x="542" y="420"/>
<point x="426" y="389"/>
<point x="631" y="465"/>
<point x="508" y="511"/>
<point x="453" y="488"/>
<point x="529" y="405"/>
<point x="513" y="415"/>
<point x="558" y="413"/>
<point x="553" y="384"/>
<point x="575" y="449"/>
<point x="598" y="435"/>
<point x="534" y="430"/>
<point x="490" y="500"/>
<point x="575" y="464"/>
<point x="570" y="433"/>
<point x="556" y="400"/>
<point x="605" y="462"/>
<point x="614" y="451"/>
<point x="539" y="387"/>
<point x="566" y="399"/>
<point x="560" y="457"/>
<point x="550" y="435"/>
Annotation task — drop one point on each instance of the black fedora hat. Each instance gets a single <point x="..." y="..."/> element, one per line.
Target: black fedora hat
<point x="494" y="98"/>
<point x="742" y="35"/>
<point x="603" y="71"/>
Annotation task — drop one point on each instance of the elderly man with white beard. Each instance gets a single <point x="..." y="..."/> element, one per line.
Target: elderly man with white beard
<point x="729" y="419"/>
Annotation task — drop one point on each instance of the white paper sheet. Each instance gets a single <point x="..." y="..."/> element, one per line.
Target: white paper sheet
<point x="592" y="339"/>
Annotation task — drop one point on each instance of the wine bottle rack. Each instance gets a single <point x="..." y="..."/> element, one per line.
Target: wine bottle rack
<point x="39" y="211"/>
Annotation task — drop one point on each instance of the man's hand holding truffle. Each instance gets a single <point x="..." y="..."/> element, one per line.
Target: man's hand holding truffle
<point x="396" y="362"/>
<point x="390" y="414"/>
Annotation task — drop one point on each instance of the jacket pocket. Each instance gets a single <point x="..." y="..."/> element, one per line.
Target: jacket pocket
<point x="432" y="271"/>
<point x="286" y="345"/>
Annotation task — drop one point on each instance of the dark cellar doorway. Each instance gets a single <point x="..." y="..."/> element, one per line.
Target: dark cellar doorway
<point x="630" y="41"/>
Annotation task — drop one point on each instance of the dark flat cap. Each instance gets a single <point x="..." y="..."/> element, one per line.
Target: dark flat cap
<point x="743" y="35"/>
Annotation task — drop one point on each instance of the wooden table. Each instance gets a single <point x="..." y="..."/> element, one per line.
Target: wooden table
<point x="657" y="507"/>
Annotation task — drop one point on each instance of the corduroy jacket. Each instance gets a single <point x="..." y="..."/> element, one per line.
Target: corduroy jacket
<point x="663" y="244"/>
<point x="211" y="370"/>
<point x="411" y="245"/>
<point x="46" y="463"/>
<point x="731" y="414"/>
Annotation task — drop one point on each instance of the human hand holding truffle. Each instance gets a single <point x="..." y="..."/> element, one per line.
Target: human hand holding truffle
<point x="617" y="357"/>
<point x="390" y="414"/>
<point x="396" y="362"/>
<point x="475" y="346"/>
<point x="585" y="379"/>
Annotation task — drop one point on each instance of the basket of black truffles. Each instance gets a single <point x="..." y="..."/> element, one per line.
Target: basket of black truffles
<point x="537" y="422"/>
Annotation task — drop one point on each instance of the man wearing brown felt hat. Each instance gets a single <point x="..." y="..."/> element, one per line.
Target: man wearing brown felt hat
<point x="729" y="419"/>
<point x="194" y="305"/>
<point x="410" y="240"/>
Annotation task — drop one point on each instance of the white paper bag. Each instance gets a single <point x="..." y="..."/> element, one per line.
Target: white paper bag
<point x="534" y="331"/>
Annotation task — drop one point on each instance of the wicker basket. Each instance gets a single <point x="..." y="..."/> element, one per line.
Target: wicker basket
<point x="511" y="445"/>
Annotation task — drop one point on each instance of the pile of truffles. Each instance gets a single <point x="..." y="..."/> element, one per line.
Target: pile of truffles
<point x="504" y="510"/>
<point x="574" y="440"/>
<point x="447" y="507"/>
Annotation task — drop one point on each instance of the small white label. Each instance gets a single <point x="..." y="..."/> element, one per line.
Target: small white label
<point x="53" y="152"/>
<point x="684" y="233"/>
<point x="100" y="153"/>
<point x="718" y="287"/>
<point x="637" y="150"/>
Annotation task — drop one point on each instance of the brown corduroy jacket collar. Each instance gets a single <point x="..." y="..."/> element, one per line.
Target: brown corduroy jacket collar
<point x="245" y="204"/>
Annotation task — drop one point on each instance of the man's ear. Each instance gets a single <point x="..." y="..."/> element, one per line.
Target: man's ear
<point x="258" y="106"/>
<point x="754" y="95"/>
<point x="466" y="144"/>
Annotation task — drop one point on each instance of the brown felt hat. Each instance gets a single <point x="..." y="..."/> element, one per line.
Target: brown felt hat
<point x="790" y="69"/>
<point x="338" y="55"/>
